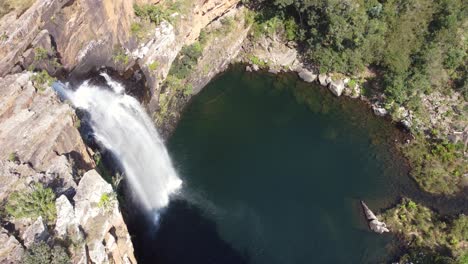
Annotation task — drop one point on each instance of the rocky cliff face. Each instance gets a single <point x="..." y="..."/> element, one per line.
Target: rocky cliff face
<point x="40" y="144"/>
<point x="38" y="133"/>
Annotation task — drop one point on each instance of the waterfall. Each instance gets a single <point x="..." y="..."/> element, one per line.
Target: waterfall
<point x="122" y="126"/>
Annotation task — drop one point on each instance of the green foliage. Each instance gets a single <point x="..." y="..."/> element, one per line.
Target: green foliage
<point x="156" y="13"/>
<point x="3" y="36"/>
<point x="136" y="29"/>
<point x="291" y="29"/>
<point x="176" y="84"/>
<point x="42" y="80"/>
<point x="255" y="60"/>
<point x="153" y="65"/>
<point x="107" y="201"/>
<point x="39" y="201"/>
<point x="41" y="253"/>
<point x="426" y="230"/>
<point x="436" y="165"/>
<point x="40" y="54"/>
<point x="186" y="60"/>
<point x="120" y="57"/>
<point x="352" y="83"/>
<point x="418" y="44"/>
<point x="12" y="157"/>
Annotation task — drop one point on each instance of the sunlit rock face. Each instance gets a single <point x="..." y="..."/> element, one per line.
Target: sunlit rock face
<point x="41" y="133"/>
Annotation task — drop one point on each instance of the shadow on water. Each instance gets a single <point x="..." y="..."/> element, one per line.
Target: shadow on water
<point x="183" y="235"/>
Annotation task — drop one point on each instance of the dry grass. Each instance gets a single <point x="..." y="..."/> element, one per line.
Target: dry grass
<point x="19" y="6"/>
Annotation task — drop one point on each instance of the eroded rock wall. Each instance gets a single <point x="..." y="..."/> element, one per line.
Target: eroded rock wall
<point x="41" y="144"/>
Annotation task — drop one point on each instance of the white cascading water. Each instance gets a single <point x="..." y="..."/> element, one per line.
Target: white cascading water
<point x="123" y="127"/>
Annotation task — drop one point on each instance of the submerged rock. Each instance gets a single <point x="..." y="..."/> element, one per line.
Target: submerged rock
<point x="374" y="224"/>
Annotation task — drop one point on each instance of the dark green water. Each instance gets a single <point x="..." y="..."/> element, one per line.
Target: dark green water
<point x="273" y="172"/>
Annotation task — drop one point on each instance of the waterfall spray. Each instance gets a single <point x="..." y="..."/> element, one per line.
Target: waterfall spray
<point x="123" y="127"/>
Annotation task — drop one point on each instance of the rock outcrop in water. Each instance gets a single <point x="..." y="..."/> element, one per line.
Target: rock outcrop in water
<point x="374" y="224"/>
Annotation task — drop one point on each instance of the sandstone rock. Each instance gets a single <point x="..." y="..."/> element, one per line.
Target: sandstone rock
<point x="65" y="216"/>
<point x="59" y="176"/>
<point x="36" y="125"/>
<point x="307" y="75"/>
<point x="35" y="233"/>
<point x="255" y="67"/>
<point x="97" y="223"/>
<point x="336" y="87"/>
<point x="273" y="70"/>
<point x="13" y="177"/>
<point x="11" y="250"/>
<point x="97" y="252"/>
<point x="374" y="224"/>
<point x="22" y="31"/>
<point x="379" y="111"/>
<point x="323" y="79"/>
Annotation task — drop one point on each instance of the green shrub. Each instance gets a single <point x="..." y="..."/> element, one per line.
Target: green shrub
<point x="120" y="57"/>
<point x="12" y="157"/>
<point x="40" y="54"/>
<point x="186" y="60"/>
<point x="425" y="229"/>
<point x="352" y="84"/>
<point x="41" y="253"/>
<point x="42" y="80"/>
<point x="290" y="28"/>
<point x="39" y="201"/>
<point x="107" y="201"/>
<point x="255" y="60"/>
<point x="153" y="13"/>
<point x="153" y="65"/>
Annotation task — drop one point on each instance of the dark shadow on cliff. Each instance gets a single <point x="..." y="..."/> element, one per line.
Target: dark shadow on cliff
<point x="183" y="235"/>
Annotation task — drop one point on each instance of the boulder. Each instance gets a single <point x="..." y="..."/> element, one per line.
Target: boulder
<point x="307" y="75"/>
<point x="35" y="233"/>
<point x="336" y="87"/>
<point x="406" y="123"/>
<point x="248" y="68"/>
<point x="98" y="222"/>
<point x="273" y="70"/>
<point x="11" y="250"/>
<point x="379" y="111"/>
<point x="255" y="67"/>
<point x="374" y="224"/>
<point x="323" y="79"/>
<point x="65" y="216"/>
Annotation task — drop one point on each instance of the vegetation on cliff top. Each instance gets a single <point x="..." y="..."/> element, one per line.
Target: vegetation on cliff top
<point x="39" y="201"/>
<point x="41" y="253"/>
<point x="426" y="233"/>
<point x="418" y="44"/>
<point x="416" y="47"/>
